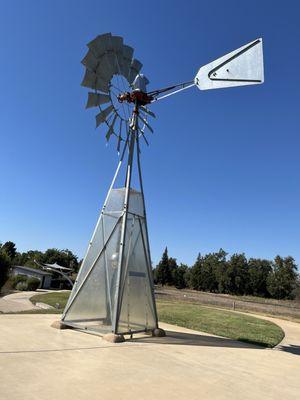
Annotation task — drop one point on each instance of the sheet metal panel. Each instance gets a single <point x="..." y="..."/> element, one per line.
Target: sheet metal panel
<point x="101" y="117"/>
<point x="96" y="99"/>
<point x="241" y="67"/>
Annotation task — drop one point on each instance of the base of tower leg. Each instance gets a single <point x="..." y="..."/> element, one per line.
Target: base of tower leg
<point x="59" y="325"/>
<point x="113" y="338"/>
<point x="158" y="332"/>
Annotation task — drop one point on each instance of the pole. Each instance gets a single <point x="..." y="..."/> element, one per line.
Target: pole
<point x="146" y="239"/>
<point x="133" y="133"/>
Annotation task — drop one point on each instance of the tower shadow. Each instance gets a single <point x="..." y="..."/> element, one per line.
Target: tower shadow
<point x="293" y="349"/>
<point x="191" y="339"/>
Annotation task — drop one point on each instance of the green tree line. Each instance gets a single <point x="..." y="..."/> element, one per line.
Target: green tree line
<point x="237" y="275"/>
<point x="213" y="272"/>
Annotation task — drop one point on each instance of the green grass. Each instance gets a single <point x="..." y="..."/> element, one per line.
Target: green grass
<point x="229" y="324"/>
<point x="52" y="299"/>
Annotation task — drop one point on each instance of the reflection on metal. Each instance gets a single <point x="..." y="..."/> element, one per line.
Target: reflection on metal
<point x="140" y="83"/>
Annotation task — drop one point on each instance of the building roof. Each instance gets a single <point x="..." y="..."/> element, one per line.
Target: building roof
<point x="33" y="270"/>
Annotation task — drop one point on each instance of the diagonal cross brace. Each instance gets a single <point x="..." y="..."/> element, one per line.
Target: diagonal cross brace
<point x="91" y="269"/>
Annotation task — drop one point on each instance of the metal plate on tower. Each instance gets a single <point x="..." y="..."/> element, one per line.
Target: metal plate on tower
<point x="243" y="66"/>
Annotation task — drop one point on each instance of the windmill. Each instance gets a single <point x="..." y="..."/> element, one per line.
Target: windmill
<point x="113" y="295"/>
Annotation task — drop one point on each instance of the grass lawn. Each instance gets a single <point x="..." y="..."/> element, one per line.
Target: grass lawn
<point x="52" y="299"/>
<point x="229" y="324"/>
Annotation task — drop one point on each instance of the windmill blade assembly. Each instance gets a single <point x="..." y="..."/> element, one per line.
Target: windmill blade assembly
<point x="106" y="58"/>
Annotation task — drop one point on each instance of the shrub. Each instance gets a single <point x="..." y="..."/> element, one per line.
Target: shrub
<point x="14" y="280"/>
<point x="33" y="283"/>
<point x="21" y="286"/>
<point x="5" y="263"/>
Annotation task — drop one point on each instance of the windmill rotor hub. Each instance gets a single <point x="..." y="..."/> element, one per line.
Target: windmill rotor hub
<point x="136" y="96"/>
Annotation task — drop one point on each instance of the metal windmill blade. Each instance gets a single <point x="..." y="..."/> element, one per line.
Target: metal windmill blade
<point x="96" y="99"/>
<point x="102" y="116"/>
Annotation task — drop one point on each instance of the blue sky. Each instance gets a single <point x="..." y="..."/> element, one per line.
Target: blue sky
<point x="223" y="166"/>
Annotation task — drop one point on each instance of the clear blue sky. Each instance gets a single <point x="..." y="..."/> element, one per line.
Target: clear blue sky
<point x="223" y="167"/>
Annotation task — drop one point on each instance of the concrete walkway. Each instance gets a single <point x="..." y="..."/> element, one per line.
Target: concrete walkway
<point x="39" y="362"/>
<point x="18" y="302"/>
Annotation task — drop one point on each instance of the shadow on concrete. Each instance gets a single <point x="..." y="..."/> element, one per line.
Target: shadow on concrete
<point x="190" y="339"/>
<point x="106" y="346"/>
<point x="293" y="349"/>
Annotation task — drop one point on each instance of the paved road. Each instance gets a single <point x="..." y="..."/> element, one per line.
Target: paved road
<point x="39" y="362"/>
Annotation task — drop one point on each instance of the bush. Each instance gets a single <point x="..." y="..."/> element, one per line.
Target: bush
<point x="21" y="286"/>
<point x="14" y="280"/>
<point x="22" y="282"/>
<point x="33" y="283"/>
<point x="5" y="263"/>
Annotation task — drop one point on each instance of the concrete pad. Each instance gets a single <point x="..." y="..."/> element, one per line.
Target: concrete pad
<point x="39" y="362"/>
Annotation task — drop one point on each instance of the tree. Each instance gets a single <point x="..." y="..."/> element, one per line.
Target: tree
<point x="236" y="275"/>
<point x="259" y="271"/>
<point x="296" y="290"/>
<point x="207" y="273"/>
<point x="180" y="276"/>
<point x="188" y="277"/>
<point x="173" y="267"/>
<point x="208" y="269"/>
<point x="282" y="280"/>
<point x="196" y="274"/>
<point x="10" y="249"/>
<point x="163" y="273"/>
<point x="220" y="265"/>
<point x="28" y="258"/>
<point x="65" y="258"/>
<point x="5" y="263"/>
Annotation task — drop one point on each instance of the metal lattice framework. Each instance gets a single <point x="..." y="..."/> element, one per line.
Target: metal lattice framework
<point x="114" y="288"/>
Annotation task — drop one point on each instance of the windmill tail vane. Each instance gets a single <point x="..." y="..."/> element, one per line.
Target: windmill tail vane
<point x="114" y="292"/>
